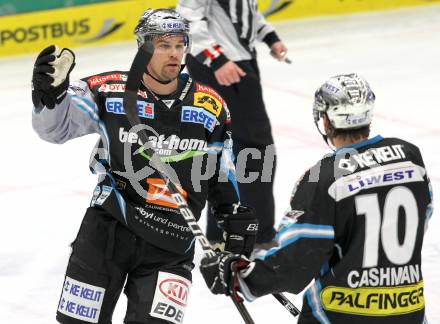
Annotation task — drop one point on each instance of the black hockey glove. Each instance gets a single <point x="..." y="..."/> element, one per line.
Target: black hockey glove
<point x="240" y="228"/>
<point x="220" y="272"/>
<point x="50" y="78"/>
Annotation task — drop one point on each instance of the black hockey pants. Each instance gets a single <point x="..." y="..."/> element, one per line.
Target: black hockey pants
<point x="105" y="255"/>
<point x="250" y="130"/>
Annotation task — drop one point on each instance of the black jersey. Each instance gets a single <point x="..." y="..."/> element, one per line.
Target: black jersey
<point x="355" y="225"/>
<point x="188" y="129"/>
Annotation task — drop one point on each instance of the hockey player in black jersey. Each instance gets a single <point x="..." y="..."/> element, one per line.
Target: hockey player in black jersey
<point x="355" y="225"/>
<point x="133" y="230"/>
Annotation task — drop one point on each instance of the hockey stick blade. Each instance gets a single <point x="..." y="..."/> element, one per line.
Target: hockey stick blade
<point x="141" y="60"/>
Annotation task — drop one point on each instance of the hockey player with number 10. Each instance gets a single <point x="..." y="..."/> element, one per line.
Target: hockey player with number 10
<point x="355" y="225"/>
<point x="133" y="231"/>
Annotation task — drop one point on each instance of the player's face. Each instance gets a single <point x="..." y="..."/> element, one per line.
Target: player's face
<point x="167" y="58"/>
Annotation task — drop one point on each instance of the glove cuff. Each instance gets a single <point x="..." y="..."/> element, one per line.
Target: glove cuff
<point x="60" y="91"/>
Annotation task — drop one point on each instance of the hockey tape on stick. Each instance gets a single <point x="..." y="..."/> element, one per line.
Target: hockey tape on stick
<point x="141" y="60"/>
<point x="287" y="304"/>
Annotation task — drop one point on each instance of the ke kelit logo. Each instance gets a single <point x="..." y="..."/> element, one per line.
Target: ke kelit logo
<point x="209" y="102"/>
<point x="170" y="297"/>
<point x="158" y="193"/>
<point x="199" y="116"/>
<point x="374" y="301"/>
<point x="116" y="106"/>
<point x="119" y="87"/>
<point x="81" y="300"/>
<point x="175" y="26"/>
<point x="100" y="79"/>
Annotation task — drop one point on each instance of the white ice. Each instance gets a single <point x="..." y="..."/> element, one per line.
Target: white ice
<point x="45" y="188"/>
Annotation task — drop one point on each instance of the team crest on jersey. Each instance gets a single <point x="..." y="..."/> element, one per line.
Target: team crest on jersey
<point x="158" y="193"/>
<point x="209" y="99"/>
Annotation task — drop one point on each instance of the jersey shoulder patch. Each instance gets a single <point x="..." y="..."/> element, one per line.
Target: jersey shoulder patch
<point x="209" y="99"/>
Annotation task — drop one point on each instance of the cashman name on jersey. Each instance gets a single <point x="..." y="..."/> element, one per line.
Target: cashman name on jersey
<point x="389" y="276"/>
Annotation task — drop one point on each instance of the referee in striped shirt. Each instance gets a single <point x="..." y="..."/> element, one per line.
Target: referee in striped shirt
<point x="224" y="57"/>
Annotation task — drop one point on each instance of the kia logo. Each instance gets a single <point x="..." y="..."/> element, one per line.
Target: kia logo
<point x="175" y="290"/>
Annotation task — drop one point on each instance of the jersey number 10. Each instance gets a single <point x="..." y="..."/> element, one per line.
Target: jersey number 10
<point x="387" y="232"/>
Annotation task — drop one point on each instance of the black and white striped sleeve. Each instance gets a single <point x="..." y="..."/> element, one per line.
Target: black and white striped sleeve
<point x="265" y="32"/>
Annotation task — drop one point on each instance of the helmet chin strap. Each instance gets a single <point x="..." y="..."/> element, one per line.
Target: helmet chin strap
<point x="325" y="137"/>
<point x="182" y="66"/>
<point x="157" y="80"/>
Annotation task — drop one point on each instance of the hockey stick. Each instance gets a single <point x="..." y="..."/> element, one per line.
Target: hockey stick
<point x="283" y="300"/>
<point x="287" y="304"/>
<point x="137" y="69"/>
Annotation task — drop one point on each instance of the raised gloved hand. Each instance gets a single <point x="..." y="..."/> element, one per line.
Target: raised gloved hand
<point x="220" y="272"/>
<point x="240" y="228"/>
<point x="50" y="78"/>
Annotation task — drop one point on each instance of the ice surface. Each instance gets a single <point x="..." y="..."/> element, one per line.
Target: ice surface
<point x="45" y="188"/>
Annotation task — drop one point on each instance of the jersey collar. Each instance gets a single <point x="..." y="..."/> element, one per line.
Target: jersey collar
<point x="358" y="145"/>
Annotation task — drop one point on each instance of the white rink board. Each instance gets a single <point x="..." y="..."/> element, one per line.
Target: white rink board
<point x="45" y="188"/>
